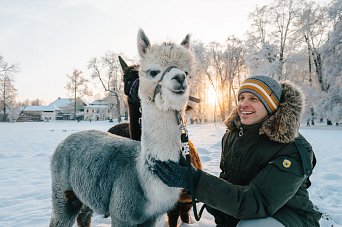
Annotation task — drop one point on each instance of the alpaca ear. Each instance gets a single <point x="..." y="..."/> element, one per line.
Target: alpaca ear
<point x="143" y="43"/>
<point x="186" y="41"/>
<point x="123" y="64"/>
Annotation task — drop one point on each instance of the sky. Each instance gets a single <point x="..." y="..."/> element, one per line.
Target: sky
<point x="49" y="39"/>
<point x="26" y="149"/>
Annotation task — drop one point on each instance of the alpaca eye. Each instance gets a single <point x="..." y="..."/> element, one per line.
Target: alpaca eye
<point x="186" y="73"/>
<point x="153" y="73"/>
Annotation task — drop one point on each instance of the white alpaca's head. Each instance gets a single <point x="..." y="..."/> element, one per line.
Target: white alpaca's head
<point x="169" y="65"/>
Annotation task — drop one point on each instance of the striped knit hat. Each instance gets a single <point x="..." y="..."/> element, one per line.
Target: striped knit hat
<point x="265" y="88"/>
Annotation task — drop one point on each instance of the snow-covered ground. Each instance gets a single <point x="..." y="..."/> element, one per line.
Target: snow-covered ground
<point x="26" y="148"/>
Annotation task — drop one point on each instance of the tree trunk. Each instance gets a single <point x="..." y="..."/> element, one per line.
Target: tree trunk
<point x="118" y="108"/>
<point x="4" y="103"/>
<point x="318" y="66"/>
<point x="281" y="65"/>
<point x="230" y="106"/>
<point x="75" y="103"/>
<point x="223" y="103"/>
<point x="309" y="58"/>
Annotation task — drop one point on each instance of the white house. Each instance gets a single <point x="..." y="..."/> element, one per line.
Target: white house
<point x="98" y="110"/>
<point x="60" y="109"/>
<point x="38" y="113"/>
<point x="67" y="108"/>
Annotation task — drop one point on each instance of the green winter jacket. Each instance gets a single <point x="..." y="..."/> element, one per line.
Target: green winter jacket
<point x="264" y="169"/>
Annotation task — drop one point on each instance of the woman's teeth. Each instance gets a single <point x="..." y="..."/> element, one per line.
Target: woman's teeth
<point x="246" y="112"/>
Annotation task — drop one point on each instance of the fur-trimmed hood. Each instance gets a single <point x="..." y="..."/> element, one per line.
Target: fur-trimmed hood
<point x="283" y="125"/>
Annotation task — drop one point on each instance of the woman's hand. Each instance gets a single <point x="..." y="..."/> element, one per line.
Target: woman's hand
<point x="175" y="174"/>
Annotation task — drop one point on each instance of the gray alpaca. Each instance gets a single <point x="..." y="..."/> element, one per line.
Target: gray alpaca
<point x="112" y="175"/>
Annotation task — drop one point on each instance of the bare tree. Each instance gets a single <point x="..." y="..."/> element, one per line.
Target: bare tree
<point x="199" y="81"/>
<point x="313" y="26"/>
<point x="37" y="102"/>
<point x="272" y="29"/>
<point x="77" y="86"/>
<point x="330" y="105"/>
<point x="259" y="19"/>
<point x="234" y="66"/>
<point x="33" y="102"/>
<point x="216" y="74"/>
<point x="283" y="15"/>
<point x="261" y="55"/>
<point x="7" y="89"/>
<point x="226" y="65"/>
<point x="108" y="71"/>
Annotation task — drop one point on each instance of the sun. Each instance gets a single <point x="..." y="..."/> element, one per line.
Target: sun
<point x="211" y="95"/>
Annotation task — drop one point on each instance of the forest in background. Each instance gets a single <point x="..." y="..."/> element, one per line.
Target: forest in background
<point x="294" y="40"/>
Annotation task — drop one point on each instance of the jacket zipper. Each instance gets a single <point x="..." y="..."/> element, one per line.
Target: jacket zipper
<point x="241" y="131"/>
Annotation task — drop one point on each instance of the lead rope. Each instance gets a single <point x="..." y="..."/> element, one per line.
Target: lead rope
<point x="186" y="152"/>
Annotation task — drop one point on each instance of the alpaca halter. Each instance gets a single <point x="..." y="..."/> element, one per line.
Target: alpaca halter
<point x="158" y="87"/>
<point x="134" y="85"/>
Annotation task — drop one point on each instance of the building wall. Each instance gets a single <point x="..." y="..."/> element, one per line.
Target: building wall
<point x="48" y="116"/>
<point x="96" y="113"/>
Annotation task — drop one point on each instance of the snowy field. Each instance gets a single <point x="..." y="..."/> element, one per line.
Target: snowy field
<point x="26" y="148"/>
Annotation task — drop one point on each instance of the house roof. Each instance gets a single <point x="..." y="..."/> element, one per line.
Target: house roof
<point x="64" y="102"/>
<point x="57" y="105"/>
<point x="98" y="104"/>
<point x="96" y="107"/>
<point x="40" y="108"/>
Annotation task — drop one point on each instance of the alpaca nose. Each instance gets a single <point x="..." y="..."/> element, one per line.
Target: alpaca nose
<point x="180" y="77"/>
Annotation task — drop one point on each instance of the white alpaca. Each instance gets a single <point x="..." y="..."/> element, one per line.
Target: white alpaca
<point x="112" y="175"/>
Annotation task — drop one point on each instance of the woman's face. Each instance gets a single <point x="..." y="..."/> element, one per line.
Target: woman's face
<point x="250" y="109"/>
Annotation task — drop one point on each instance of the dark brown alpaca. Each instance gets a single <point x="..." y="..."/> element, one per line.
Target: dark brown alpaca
<point x="131" y="84"/>
<point x="120" y="130"/>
